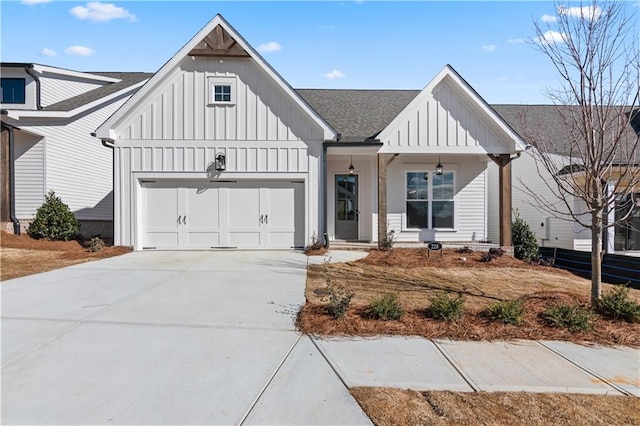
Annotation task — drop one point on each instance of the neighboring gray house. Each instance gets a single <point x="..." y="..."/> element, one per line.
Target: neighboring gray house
<point x="545" y="123"/>
<point x="48" y="114"/>
<point x="217" y="150"/>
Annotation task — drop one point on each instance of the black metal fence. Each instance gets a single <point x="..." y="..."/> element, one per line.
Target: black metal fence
<point x="616" y="269"/>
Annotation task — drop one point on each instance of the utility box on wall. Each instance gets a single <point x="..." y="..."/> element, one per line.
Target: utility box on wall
<point x="543" y="229"/>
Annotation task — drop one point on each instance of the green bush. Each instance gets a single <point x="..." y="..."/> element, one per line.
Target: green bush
<point x="314" y="245"/>
<point x="507" y="312"/>
<point x="525" y="243"/>
<point x="96" y="244"/>
<point x="572" y="317"/>
<point x="445" y="307"/>
<point x="388" y="241"/>
<point x="385" y="308"/>
<point x="54" y="220"/>
<point x="616" y="305"/>
<point x="339" y="302"/>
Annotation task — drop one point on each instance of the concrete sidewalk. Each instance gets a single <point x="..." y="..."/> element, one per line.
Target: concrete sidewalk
<point x="518" y="366"/>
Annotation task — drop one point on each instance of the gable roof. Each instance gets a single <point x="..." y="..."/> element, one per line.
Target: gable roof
<point x="207" y="37"/>
<point x="358" y="114"/>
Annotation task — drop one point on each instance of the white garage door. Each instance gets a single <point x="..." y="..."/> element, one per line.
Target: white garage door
<point x="245" y="215"/>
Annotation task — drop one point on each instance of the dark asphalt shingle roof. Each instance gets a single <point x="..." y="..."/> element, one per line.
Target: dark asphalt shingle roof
<point x="126" y="79"/>
<point x="357" y="114"/>
<point x="546" y="123"/>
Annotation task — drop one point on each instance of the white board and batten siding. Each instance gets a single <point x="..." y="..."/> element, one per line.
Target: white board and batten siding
<point x="175" y="133"/>
<point x="443" y="120"/>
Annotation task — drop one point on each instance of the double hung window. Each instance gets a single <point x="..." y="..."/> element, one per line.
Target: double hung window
<point x="429" y="200"/>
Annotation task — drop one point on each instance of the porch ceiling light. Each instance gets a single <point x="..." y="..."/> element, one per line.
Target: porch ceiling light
<point x="439" y="168"/>
<point x="221" y="162"/>
<point x="351" y="168"/>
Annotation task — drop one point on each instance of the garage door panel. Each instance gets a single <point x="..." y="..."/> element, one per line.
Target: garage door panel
<point x="242" y="239"/>
<point x="246" y="215"/>
<point x="244" y="209"/>
<point x="161" y="239"/>
<point x="203" y="239"/>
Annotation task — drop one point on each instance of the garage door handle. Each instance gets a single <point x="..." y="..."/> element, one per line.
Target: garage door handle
<point x="179" y="219"/>
<point x="261" y="218"/>
<point x="184" y="220"/>
<point x="266" y="218"/>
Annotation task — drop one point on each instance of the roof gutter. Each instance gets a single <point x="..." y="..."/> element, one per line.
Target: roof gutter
<point x="29" y="70"/>
<point x="12" y="178"/>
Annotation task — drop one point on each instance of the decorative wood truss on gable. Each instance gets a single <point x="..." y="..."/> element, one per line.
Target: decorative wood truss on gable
<point x="219" y="43"/>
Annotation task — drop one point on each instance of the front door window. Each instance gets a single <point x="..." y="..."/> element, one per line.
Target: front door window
<point x="346" y="188"/>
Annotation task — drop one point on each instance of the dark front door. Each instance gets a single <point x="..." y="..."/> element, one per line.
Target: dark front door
<point x="347" y="207"/>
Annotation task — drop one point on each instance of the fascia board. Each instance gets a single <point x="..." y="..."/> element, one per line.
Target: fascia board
<point x="40" y="69"/>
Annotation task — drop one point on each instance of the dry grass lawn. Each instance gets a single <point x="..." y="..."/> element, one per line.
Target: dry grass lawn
<point x="416" y="276"/>
<point x="22" y="255"/>
<point x="398" y="407"/>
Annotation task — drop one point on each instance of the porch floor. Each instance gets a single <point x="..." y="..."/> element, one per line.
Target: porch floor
<point x="356" y="244"/>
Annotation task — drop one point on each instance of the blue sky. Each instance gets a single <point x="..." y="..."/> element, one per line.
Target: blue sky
<point x="327" y="44"/>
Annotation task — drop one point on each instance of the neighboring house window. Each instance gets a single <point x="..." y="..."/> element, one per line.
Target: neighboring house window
<point x="222" y="90"/>
<point x="430" y="200"/>
<point x="13" y="90"/>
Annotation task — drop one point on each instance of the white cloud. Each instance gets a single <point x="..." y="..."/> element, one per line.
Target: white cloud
<point x="549" y="18"/>
<point x="272" y="46"/>
<point x="102" y="12"/>
<point x="32" y="2"/>
<point x="489" y="47"/>
<point x="48" y="52"/>
<point x="591" y="13"/>
<point x="79" y="51"/>
<point x="334" y="74"/>
<point x="516" y="40"/>
<point x="551" y="37"/>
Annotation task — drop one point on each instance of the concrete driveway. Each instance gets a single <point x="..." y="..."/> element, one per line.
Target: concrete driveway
<point x="166" y="338"/>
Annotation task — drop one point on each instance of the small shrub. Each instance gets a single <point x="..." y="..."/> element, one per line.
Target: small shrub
<point x="525" y="243"/>
<point x="54" y="220"/>
<point x="96" y="244"/>
<point x="464" y="250"/>
<point x="487" y="257"/>
<point x="388" y="241"/>
<point x="496" y="251"/>
<point x="616" y="305"/>
<point x="445" y="307"/>
<point x="507" y="312"/>
<point x="314" y="245"/>
<point x="339" y="302"/>
<point x="385" y="308"/>
<point x="572" y="317"/>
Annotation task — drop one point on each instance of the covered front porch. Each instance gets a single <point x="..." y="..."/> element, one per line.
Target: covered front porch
<point x="417" y="200"/>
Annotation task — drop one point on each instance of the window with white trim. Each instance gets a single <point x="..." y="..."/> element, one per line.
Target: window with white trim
<point x="429" y="200"/>
<point x="222" y="90"/>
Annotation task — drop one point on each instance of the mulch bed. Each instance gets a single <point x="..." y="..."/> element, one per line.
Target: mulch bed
<point x="474" y="325"/>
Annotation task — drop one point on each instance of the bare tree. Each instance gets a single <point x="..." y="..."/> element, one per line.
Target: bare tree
<point x="594" y="49"/>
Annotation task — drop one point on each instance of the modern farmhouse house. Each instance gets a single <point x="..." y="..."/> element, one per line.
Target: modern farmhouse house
<point x="216" y="150"/>
<point x="47" y="116"/>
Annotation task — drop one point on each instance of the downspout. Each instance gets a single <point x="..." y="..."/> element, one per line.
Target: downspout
<point x="12" y="179"/>
<point x="29" y="70"/>
<point x="324" y="196"/>
<point x="113" y="180"/>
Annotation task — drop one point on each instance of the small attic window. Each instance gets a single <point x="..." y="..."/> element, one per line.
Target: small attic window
<point x="222" y="90"/>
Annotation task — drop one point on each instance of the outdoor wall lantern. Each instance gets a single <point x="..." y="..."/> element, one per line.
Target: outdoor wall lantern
<point x="351" y="168"/>
<point x="221" y="162"/>
<point x="439" y="168"/>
